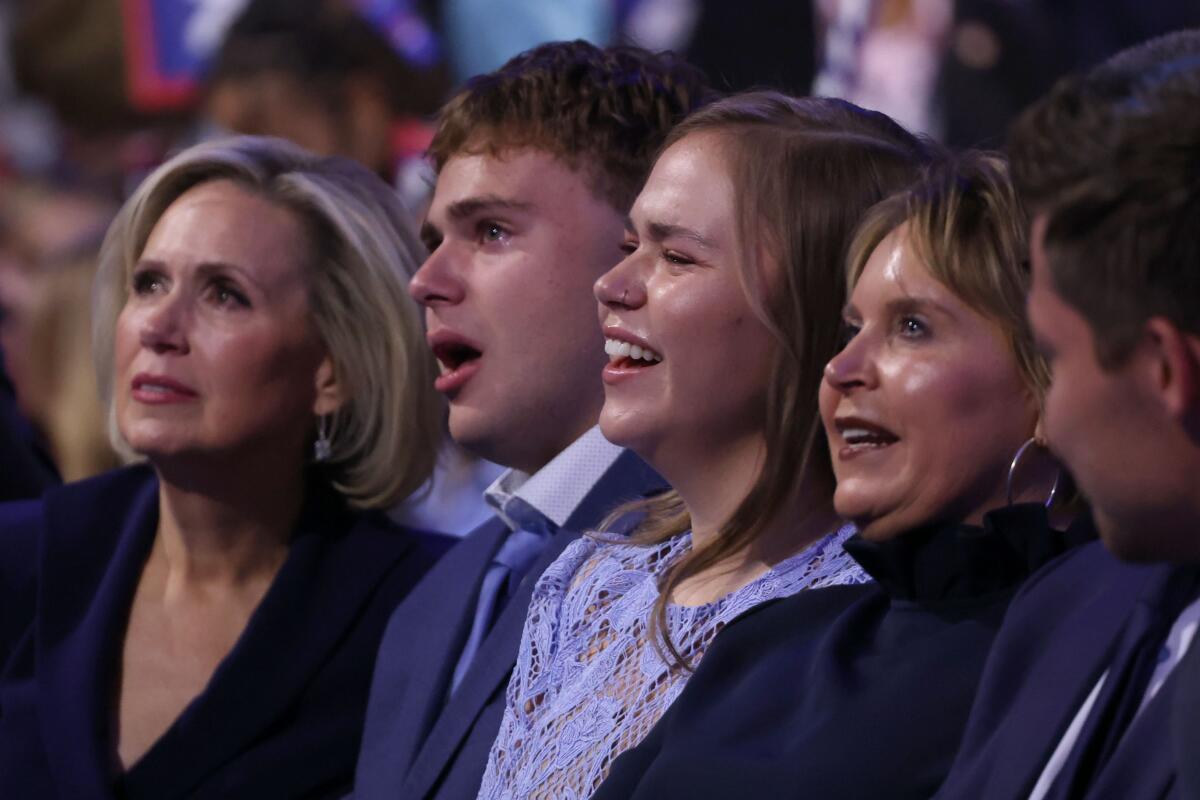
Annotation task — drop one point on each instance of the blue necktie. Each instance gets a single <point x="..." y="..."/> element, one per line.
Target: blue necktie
<point x="512" y="560"/>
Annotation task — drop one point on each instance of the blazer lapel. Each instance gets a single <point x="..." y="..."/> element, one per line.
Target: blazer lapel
<point x="1143" y="765"/>
<point x="1065" y="678"/>
<point x="628" y="478"/>
<point x="316" y="596"/>
<point x="404" y="707"/>
<point x="489" y="672"/>
<point x="89" y="576"/>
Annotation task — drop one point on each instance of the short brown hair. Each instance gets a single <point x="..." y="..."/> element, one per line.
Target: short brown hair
<point x="1126" y="247"/>
<point x="804" y="170"/>
<point x="1060" y="141"/>
<point x="967" y="226"/>
<point x="601" y="110"/>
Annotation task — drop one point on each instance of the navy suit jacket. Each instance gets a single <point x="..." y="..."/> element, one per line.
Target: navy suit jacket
<point x="1055" y="643"/>
<point x="25" y="470"/>
<point x="416" y="745"/>
<point x="1186" y="729"/>
<point x="282" y="713"/>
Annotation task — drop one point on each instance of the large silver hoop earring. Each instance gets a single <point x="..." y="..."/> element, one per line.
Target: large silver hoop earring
<point x="322" y="445"/>
<point x="1012" y="471"/>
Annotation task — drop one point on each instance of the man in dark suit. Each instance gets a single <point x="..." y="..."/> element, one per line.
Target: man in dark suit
<point x="25" y="470"/>
<point x="1079" y="689"/>
<point x="538" y="164"/>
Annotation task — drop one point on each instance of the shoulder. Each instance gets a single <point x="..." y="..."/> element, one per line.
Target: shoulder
<point x="1079" y="578"/>
<point x="26" y="525"/>
<point x="369" y="545"/>
<point x="20" y="533"/>
<point x="604" y="557"/>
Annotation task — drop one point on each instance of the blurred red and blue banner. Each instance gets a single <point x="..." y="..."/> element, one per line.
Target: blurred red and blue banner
<point x="168" y="44"/>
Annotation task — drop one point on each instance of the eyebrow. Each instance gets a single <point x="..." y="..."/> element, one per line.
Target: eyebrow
<point x="206" y="268"/>
<point x="663" y="230"/>
<point x="431" y="235"/>
<point x="470" y="206"/>
<point x="902" y="305"/>
<point x="911" y="304"/>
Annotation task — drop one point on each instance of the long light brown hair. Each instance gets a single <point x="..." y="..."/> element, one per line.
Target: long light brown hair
<point x="803" y="170"/>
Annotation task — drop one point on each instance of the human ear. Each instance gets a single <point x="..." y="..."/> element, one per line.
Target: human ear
<point x="1175" y="360"/>
<point x="329" y="394"/>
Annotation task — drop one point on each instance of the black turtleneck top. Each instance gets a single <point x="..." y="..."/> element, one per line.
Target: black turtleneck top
<point x="852" y="691"/>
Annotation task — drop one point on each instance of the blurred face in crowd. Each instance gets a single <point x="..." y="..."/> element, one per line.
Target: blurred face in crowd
<point x="215" y="352"/>
<point x="355" y="122"/>
<point x="689" y="361"/>
<point x="1122" y="431"/>
<point x="516" y="241"/>
<point x="925" y="406"/>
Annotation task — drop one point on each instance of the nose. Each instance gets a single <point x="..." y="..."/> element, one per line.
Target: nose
<point x="853" y="367"/>
<point x="162" y="325"/>
<point x="438" y="281"/>
<point x="623" y="286"/>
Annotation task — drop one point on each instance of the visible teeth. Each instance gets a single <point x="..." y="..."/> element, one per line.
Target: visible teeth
<point x="154" y="387"/>
<point x="617" y="349"/>
<point x="856" y="436"/>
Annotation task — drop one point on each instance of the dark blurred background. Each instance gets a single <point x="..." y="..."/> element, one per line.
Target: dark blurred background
<point x="95" y="93"/>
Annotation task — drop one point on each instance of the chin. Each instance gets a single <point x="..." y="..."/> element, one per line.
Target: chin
<point x="1148" y="538"/>
<point x="628" y="431"/>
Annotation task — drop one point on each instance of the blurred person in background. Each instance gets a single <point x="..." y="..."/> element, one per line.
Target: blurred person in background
<point x="48" y="242"/>
<point x="60" y="381"/>
<point x="204" y="624"/>
<point x="318" y="73"/>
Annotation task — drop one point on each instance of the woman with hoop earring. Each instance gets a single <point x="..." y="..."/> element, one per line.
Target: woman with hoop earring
<point x="932" y="413"/>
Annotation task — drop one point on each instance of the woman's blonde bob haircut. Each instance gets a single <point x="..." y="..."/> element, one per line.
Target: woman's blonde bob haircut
<point x="965" y="223"/>
<point x="364" y="249"/>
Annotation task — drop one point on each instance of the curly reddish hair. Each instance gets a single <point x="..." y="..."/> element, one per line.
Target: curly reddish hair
<point x="604" y="111"/>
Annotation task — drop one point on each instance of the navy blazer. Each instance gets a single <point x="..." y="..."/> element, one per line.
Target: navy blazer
<point x="848" y="692"/>
<point x="1054" y="645"/>
<point x="25" y="469"/>
<point x="1185" y="732"/>
<point x="415" y="744"/>
<point x="282" y="713"/>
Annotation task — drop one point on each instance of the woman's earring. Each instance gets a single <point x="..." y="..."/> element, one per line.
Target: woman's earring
<point x="1012" y="471"/>
<point x="323" y="446"/>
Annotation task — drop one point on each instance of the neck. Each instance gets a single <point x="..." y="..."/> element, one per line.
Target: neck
<point x="219" y="526"/>
<point x="712" y="489"/>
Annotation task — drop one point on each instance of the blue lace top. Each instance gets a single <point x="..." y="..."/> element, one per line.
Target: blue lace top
<point x="589" y="684"/>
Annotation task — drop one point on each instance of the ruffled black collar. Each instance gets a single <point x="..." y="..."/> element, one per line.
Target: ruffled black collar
<point x="939" y="563"/>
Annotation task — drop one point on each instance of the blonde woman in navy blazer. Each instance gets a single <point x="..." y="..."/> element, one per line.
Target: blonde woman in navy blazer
<point x="204" y="624"/>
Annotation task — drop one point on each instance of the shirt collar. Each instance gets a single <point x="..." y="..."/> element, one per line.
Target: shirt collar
<point x="557" y="489"/>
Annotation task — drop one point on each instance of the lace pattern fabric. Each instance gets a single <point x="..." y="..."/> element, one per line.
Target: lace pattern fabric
<point x="589" y="684"/>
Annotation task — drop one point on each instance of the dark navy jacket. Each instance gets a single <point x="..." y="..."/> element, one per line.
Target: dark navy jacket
<point x="282" y="714"/>
<point x="849" y="692"/>
<point x="417" y="746"/>
<point x="25" y="470"/>
<point x="1055" y="644"/>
